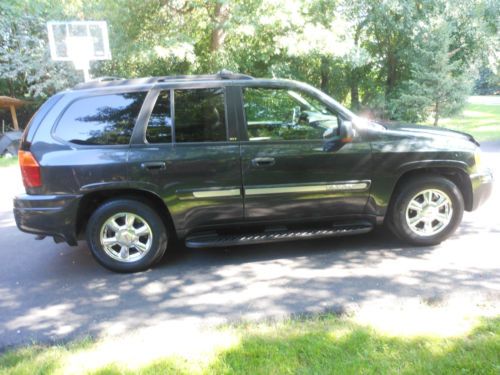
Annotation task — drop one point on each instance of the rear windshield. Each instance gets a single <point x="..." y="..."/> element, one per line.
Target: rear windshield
<point x="101" y="120"/>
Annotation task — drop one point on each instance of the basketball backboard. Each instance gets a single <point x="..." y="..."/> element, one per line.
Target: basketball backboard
<point x="79" y="42"/>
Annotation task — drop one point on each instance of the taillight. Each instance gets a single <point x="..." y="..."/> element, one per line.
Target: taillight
<point x="30" y="169"/>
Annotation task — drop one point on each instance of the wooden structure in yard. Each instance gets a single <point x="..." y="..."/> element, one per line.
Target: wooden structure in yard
<point x="11" y="103"/>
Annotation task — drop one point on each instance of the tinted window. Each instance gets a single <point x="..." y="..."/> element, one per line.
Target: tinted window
<point x="101" y="120"/>
<point x="200" y="115"/>
<point x="160" y="123"/>
<point x="281" y="114"/>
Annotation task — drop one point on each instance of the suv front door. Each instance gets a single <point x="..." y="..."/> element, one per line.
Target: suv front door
<point x="181" y="150"/>
<point x="294" y="165"/>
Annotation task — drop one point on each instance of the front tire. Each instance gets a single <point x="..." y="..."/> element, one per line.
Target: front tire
<point x="426" y="210"/>
<point x="126" y="235"/>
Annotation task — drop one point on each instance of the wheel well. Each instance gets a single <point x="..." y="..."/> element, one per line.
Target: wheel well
<point x="455" y="175"/>
<point x="91" y="201"/>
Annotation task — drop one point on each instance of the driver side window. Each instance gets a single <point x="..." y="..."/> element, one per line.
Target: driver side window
<point x="283" y="114"/>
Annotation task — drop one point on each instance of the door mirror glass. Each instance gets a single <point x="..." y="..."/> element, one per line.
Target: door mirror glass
<point x="346" y="132"/>
<point x="345" y="135"/>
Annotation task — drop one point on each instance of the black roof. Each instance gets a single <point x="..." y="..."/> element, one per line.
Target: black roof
<point x="117" y="81"/>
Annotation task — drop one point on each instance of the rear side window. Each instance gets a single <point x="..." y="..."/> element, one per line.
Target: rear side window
<point x="200" y="115"/>
<point x="101" y="120"/>
<point x="159" y="128"/>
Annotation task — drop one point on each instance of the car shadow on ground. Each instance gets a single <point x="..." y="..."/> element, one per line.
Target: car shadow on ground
<point x="71" y="295"/>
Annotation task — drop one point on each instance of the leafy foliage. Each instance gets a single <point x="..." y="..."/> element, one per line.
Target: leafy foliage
<point x="24" y="55"/>
<point x="488" y="82"/>
<point x="438" y="85"/>
<point x="368" y="54"/>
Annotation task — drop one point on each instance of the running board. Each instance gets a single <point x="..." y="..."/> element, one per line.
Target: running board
<point x="223" y="240"/>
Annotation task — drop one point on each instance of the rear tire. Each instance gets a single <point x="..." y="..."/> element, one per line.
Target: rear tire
<point x="426" y="210"/>
<point x="126" y="235"/>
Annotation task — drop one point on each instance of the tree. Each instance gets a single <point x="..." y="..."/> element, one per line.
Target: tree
<point x="369" y="54"/>
<point x="488" y="82"/>
<point x="26" y="70"/>
<point x="439" y="86"/>
<point x="25" y="65"/>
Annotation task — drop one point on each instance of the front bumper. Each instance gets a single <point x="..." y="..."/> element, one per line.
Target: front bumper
<point x="48" y="215"/>
<point x="482" y="185"/>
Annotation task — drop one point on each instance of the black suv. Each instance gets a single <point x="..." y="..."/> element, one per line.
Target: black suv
<point x="227" y="159"/>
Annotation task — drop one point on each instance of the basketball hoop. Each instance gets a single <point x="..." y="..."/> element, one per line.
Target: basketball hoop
<point x="79" y="42"/>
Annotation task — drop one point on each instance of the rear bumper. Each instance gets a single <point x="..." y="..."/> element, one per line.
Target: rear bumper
<point x="482" y="185"/>
<point x="48" y="215"/>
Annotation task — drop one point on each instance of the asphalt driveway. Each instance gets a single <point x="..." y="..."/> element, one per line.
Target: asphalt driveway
<point x="51" y="292"/>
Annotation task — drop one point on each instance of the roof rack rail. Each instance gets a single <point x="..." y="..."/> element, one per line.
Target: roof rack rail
<point x="109" y="80"/>
<point x="222" y="74"/>
<point x="227" y="74"/>
<point x="98" y="80"/>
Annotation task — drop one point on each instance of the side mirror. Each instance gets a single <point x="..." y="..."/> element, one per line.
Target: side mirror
<point x="346" y="132"/>
<point x="345" y="135"/>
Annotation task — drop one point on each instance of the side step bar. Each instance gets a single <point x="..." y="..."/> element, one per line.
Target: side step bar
<point x="223" y="240"/>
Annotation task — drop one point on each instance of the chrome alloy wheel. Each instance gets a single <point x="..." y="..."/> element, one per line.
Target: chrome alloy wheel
<point x="126" y="237"/>
<point x="429" y="212"/>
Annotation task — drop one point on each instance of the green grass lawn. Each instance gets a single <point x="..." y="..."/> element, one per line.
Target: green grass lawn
<point x="7" y="162"/>
<point x="320" y="345"/>
<point x="480" y="120"/>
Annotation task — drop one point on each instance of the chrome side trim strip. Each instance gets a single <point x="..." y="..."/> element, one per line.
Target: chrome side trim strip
<point x="216" y="193"/>
<point x="323" y="188"/>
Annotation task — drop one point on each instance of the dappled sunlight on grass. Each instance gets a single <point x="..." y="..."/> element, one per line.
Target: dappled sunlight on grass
<point x="338" y="346"/>
<point x="480" y="120"/>
<point x="489" y="128"/>
<point x="485" y="115"/>
<point x="430" y="316"/>
<point x="322" y="344"/>
<point x="8" y="162"/>
<point x="181" y="342"/>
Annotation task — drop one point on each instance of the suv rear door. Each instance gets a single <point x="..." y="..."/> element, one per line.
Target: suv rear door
<point x="181" y="150"/>
<point x="292" y="164"/>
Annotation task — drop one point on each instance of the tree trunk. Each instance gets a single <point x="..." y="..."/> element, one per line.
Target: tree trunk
<point x="355" y="74"/>
<point x="219" y="17"/>
<point x="354" y="91"/>
<point x="391" y="73"/>
<point x="11" y="87"/>
<point x="436" y="113"/>
<point x="325" y="79"/>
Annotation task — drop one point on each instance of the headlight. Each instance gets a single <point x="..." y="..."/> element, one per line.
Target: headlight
<point x="477" y="157"/>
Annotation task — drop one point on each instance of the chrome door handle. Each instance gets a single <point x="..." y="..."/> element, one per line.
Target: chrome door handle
<point x="154" y="165"/>
<point x="263" y="162"/>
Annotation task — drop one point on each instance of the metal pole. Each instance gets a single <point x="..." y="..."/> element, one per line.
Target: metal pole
<point x="86" y="75"/>
<point x="14" y="117"/>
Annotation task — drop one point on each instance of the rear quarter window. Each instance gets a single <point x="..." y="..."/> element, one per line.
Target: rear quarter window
<point x="101" y="120"/>
<point x="37" y="119"/>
